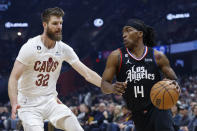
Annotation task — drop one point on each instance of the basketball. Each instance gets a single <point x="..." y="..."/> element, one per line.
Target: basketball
<point x="164" y="94"/>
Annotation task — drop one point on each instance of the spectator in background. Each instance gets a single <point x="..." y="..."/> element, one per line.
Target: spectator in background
<point x="85" y="117"/>
<point x="98" y="118"/>
<point x="4" y="115"/>
<point x="184" y="116"/>
<point x="116" y="117"/>
<point x="193" y="122"/>
<point x="110" y="112"/>
<point x="81" y="115"/>
<point x="191" y="110"/>
<point x="125" y="123"/>
<point x="117" y="113"/>
<point x="176" y="116"/>
<point x="74" y="110"/>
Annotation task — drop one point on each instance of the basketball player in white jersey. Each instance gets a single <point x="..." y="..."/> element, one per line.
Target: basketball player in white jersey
<point x="32" y="83"/>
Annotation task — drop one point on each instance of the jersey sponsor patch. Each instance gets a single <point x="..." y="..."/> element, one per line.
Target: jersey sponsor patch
<point x="148" y="60"/>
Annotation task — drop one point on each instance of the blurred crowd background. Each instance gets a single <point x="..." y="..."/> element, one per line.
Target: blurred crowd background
<point x="93" y="28"/>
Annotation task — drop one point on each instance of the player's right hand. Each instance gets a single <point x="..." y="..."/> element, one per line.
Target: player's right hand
<point x="119" y="88"/>
<point x="175" y="83"/>
<point x="14" y="110"/>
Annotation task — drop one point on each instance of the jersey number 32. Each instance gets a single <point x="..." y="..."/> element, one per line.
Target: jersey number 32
<point x="42" y="80"/>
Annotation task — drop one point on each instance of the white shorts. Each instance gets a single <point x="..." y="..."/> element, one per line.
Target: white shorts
<point x="34" y="110"/>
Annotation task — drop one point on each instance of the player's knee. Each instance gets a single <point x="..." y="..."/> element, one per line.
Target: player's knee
<point x="28" y="127"/>
<point x="77" y="128"/>
<point x="69" y="124"/>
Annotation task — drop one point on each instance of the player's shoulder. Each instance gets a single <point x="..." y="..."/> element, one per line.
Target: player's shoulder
<point x="33" y="42"/>
<point x="33" y="45"/>
<point x="160" y="58"/>
<point x="158" y="54"/>
<point x="114" y="55"/>
<point x="115" y="52"/>
<point x="64" y="45"/>
<point x="36" y="39"/>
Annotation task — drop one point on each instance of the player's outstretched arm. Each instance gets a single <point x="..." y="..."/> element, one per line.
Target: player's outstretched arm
<point x="110" y="71"/>
<point x="71" y="57"/>
<point x="12" y="86"/>
<point x="90" y="75"/>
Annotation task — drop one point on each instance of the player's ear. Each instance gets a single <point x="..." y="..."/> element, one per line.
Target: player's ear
<point x="44" y="24"/>
<point x="140" y="33"/>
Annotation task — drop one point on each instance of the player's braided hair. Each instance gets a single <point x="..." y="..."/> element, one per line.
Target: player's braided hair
<point x="56" y="11"/>
<point x="148" y="31"/>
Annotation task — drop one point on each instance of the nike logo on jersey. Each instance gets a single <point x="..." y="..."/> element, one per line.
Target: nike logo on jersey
<point x="57" y="53"/>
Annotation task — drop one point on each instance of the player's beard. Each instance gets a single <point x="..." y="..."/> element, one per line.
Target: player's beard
<point x="53" y="35"/>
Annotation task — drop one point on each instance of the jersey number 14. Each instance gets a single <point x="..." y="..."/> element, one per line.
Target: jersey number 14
<point x="139" y="90"/>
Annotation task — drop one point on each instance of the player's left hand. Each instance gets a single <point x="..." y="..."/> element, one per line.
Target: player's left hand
<point x="15" y="107"/>
<point x="119" y="88"/>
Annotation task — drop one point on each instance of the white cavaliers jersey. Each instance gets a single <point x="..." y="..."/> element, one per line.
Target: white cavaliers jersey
<point x="43" y="66"/>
